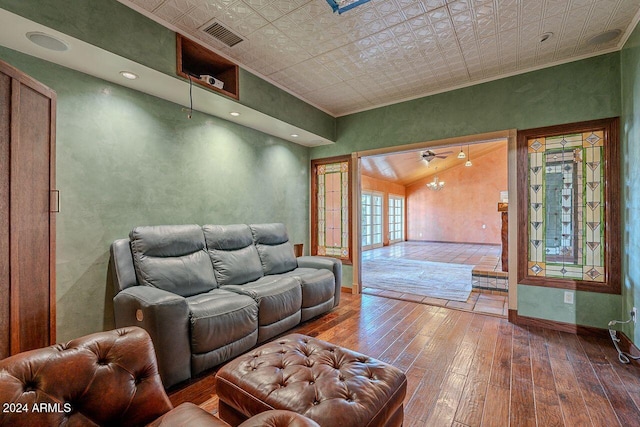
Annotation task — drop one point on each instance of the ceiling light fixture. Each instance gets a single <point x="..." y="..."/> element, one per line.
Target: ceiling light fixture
<point x="461" y="154"/>
<point x="468" y="163"/>
<point x="234" y="113"/>
<point x="294" y="135"/>
<point x="436" y="184"/>
<point x="128" y="75"/>
<point x="47" y="41"/>
<point x="342" y="6"/>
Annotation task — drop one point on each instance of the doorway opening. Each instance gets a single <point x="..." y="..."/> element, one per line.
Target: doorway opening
<point x="432" y="224"/>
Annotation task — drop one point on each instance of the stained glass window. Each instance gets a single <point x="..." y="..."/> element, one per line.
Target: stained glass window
<point x="571" y="229"/>
<point x="332" y="236"/>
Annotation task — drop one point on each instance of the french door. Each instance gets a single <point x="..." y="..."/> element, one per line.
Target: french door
<point x="371" y="220"/>
<point x="396" y="219"/>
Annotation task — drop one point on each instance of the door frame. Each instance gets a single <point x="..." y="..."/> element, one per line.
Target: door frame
<point x="510" y="135"/>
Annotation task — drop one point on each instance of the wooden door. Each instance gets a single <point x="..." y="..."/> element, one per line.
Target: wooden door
<point x="27" y="237"/>
<point x="5" y="165"/>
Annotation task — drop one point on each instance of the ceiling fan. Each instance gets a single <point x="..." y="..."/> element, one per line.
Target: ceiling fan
<point x="429" y="155"/>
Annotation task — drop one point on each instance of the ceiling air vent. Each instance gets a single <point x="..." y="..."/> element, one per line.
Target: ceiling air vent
<point x="222" y="33"/>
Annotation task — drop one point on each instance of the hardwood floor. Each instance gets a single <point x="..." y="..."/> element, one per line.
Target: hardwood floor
<point x="469" y="369"/>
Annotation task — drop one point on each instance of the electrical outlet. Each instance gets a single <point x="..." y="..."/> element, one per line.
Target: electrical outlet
<point x="568" y="297"/>
<point x="634" y="314"/>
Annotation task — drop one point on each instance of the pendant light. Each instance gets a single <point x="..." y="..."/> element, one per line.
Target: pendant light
<point x="468" y="163"/>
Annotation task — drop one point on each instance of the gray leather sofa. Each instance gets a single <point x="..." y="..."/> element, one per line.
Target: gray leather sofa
<point x="208" y="293"/>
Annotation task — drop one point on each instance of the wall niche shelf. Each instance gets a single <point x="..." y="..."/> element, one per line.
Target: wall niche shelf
<point x="194" y="60"/>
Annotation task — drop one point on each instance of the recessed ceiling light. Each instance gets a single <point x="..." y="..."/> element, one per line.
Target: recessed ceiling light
<point x="605" y="37"/>
<point x="294" y="135"/>
<point x="545" y="36"/>
<point x="128" y="75"/>
<point x="234" y="113"/>
<point x="47" y="41"/>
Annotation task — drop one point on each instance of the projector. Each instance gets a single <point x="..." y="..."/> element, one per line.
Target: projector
<point x="212" y="81"/>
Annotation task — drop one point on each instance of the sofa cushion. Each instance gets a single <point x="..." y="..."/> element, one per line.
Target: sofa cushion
<point x="318" y="286"/>
<point x="277" y="297"/>
<point x="219" y="318"/>
<point x="233" y="255"/>
<point x="274" y="248"/>
<point x="172" y="258"/>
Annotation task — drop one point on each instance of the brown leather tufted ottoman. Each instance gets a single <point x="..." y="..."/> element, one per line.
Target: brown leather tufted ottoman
<point x="331" y="385"/>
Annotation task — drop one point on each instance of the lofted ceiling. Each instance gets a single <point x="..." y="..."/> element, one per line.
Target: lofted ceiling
<point x="408" y="167"/>
<point x="386" y="51"/>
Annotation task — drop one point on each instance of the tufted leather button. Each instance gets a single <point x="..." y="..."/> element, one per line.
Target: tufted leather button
<point x="316" y="402"/>
<point x="30" y="385"/>
<point x="312" y="382"/>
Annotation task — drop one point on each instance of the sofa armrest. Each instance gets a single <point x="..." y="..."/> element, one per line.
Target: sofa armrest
<point x="331" y="264"/>
<point x="165" y="316"/>
<point x="121" y="269"/>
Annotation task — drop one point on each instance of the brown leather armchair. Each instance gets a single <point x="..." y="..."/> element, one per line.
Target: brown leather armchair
<point x="104" y="379"/>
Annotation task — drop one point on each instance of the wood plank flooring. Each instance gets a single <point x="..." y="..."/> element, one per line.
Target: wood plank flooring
<point x="469" y="369"/>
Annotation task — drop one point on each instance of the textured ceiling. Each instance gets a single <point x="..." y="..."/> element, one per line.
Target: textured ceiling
<point x="386" y="51"/>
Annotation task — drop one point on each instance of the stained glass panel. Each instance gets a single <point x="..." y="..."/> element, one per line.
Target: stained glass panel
<point x="333" y="209"/>
<point x="566" y="207"/>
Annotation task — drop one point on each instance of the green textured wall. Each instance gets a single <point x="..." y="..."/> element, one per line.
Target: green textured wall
<point x="630" y="64"/>
<point x="125" y="159"/>
<point x="588" y="309"/>
<point x="125" y="32"/>
<point x="577" y="91"/>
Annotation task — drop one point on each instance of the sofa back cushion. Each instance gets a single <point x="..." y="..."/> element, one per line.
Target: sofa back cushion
<point x="172" y="258"/>
<point x="274" y="248"/>
<point x="234" y="257"/>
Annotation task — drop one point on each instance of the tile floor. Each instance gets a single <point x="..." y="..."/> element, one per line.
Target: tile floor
<point x="485" y="258"/>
